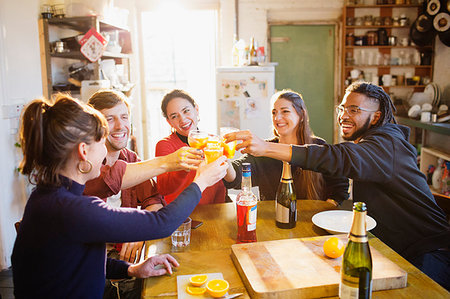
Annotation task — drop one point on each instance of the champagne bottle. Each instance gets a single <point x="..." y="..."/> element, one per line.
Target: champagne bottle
<point x="246" y="208"/>
<point x="356" y="270"/>
<point x="252" y="54"/>
<point x="286" y="200"/>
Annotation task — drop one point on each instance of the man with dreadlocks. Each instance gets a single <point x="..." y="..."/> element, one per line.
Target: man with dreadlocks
<point x="382" y="164"/>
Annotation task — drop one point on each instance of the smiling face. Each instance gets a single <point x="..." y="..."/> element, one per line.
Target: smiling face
<point x="285" y="118"/>
<point x="119" y="126"/>
<point x="182" y="115"/>
<point x="353" y="127"/>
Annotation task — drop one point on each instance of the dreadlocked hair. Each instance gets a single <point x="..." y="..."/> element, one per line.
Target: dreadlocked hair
<point x="376" y="93"/>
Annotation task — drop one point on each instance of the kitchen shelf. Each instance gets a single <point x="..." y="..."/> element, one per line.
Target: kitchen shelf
<point x="376" y="27"/>
<point x="387" y="47"/>
<point x="389" y="66"/>
<point x="440" y="128"/>
<point x="54" y="29"/>
<point x="405" y="86"/>
<point x="79" y="55"/>
<point x="84" y="23"/>
<point x="350" y="50"/>
<point x="384" y="6"/>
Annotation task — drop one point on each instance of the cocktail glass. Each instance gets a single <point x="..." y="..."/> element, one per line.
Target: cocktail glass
<point x="229" y="148"/>
<point x="212" y="153"/>
<point x="197" y="139"/>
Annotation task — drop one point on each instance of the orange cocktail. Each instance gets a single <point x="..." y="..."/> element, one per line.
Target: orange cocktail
<point x="212" y="154"/>
<point x="213" y="149"/>
<point x="197" y="139"/>
<point x="229" y="148"/>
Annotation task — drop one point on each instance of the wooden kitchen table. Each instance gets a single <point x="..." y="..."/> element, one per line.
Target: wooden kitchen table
<point x="210" y="250"/>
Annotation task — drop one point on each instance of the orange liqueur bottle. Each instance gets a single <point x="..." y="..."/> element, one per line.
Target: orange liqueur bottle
<point x="246" y="203"/>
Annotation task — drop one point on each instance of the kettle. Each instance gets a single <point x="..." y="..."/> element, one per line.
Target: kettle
<point x="382" y="37"/>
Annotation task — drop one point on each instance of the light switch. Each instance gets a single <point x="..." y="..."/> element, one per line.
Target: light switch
<point x="12" y="110"/>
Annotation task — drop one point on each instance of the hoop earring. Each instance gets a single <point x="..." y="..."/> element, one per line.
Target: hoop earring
<point x="80" y="169"/>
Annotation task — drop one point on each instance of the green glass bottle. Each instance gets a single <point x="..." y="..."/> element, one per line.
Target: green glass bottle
<point x="356" y="270"/>
<point x="286" y="200"/>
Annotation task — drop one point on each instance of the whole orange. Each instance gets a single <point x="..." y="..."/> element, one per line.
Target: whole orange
<point x="333" y="247"/>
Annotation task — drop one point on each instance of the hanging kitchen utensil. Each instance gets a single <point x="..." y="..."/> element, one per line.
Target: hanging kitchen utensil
<point x="441" y="22"/>
<point x="422" y="32"/>
<point x="433" y="7"/>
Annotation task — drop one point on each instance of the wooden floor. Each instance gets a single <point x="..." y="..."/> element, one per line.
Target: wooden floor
<point x="6" y="285"/>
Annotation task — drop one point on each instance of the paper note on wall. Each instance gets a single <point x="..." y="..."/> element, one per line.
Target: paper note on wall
<point x="229" y="113"/>
<point x="253" y="107"/>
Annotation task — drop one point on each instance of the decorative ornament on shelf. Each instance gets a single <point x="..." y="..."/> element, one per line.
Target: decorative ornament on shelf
<point x="92" y="45"/>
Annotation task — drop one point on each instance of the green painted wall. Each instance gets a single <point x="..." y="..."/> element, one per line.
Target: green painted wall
<point x="306" y="65"/>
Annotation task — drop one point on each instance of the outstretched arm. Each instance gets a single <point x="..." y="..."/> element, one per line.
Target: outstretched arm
<point x="185" y="158"/>
<point x="252" y="144"/>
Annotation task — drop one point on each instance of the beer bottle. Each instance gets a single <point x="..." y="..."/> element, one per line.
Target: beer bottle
<point x="356" y="270"/>
<point x="286" y="200"/>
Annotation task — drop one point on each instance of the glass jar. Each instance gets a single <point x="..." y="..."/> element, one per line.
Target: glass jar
<point x="396" y="21"/>
<point x="377" y="21"/>
<point x="350" y="21"/>
<point x="371" y="38"/>
<point x="387" y="21"/>
<point x="368" y="20"/>
<point x="349" y="39"/>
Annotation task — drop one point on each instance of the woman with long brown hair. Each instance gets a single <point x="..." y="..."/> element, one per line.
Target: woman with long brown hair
<point x="60" y="246"/>
<point x="291" y="126"/>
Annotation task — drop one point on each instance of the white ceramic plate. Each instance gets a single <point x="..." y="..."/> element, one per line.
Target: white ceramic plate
<point x="338" y="222"/>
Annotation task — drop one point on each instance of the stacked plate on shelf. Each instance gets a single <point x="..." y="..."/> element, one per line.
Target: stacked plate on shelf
<point x="433" y="92"/>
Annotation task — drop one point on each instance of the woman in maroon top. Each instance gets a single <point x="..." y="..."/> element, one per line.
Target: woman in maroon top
<point x="181" y="112"/>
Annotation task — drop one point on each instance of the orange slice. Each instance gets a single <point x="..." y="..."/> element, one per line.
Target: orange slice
<point x="198" y="280"/>
<point x="217" y="287"/>
<point x="195" y="290"/>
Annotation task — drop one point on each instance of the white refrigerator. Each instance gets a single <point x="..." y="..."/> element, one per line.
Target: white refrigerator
<point x="243" y="98"/>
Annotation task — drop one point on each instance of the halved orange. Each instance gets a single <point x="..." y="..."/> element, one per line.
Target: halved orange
<point x="217" y="287"/>
<point x="195" y="290"/>
<point x="198" y="280"/>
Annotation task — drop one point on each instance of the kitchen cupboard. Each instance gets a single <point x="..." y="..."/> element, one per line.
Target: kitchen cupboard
<point x="377" y="48"/>
<point x="57" y="63"/>
<point x="434" y="140"/>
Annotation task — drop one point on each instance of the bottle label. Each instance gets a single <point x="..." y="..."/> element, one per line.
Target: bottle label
<point x="283" y="213"/>
<point x="349" y="287"/>
<point x="346" y="291"/>
<point x="251" y="224"/>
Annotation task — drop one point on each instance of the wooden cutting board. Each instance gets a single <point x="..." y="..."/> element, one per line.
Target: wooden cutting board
<point x="298" y="268"/>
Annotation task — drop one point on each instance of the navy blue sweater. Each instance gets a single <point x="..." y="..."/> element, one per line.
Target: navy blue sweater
<point x="386" y="177"/>
<point x="60" y="248"/>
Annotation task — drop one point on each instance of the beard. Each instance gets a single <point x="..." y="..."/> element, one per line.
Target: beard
<point x="114" y="147"/>
<point x="358" y="133"/>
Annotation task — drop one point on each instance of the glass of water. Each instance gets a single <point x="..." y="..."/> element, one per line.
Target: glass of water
<point x="182" y="236"/>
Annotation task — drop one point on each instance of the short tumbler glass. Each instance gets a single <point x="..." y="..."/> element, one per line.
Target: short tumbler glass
<point x="182" y="236"/>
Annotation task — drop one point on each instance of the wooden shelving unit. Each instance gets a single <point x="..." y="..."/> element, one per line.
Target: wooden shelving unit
<point x="384" y="10"/>
<point x="51" y="30"/>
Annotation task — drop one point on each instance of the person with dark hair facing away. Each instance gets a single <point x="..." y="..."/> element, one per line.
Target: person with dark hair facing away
<point x="59" y="251"/>
<point x="291" y="126"/>
<point x="181" y="113"/>
<point x="382" y="164"/>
